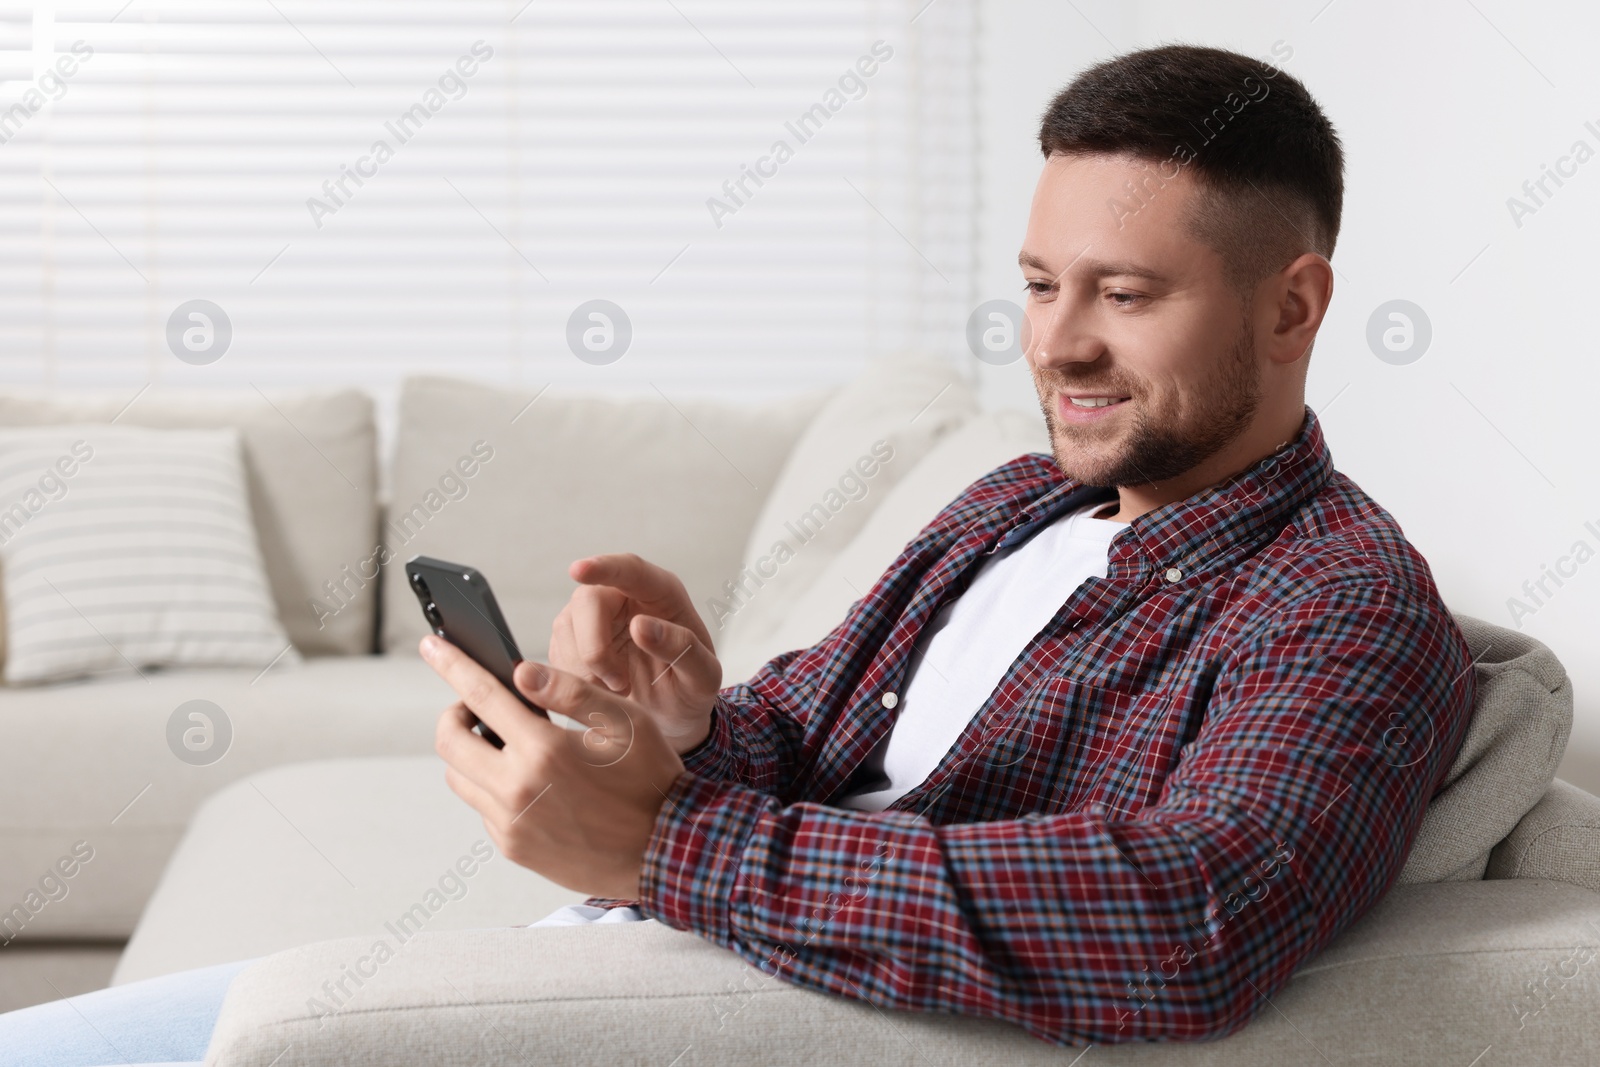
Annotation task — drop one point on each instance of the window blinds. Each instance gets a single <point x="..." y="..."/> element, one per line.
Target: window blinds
<point x="366" y="189"/>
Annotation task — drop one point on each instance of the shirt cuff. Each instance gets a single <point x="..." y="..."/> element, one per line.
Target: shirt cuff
<point x="713" y="757"/>
<point x="691" y="864"/>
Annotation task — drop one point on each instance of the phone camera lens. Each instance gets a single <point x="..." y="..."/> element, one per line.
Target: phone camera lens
<point x="419" y="585"/>
<point x="431" y="610"/>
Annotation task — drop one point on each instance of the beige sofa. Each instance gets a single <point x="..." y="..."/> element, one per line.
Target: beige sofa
<point x="678" y="479"/>
<point x="1489" y="943"/>
<point x="309" y="864"/>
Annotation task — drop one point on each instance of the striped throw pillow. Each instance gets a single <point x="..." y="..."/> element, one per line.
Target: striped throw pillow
<point x="126" y="549"/>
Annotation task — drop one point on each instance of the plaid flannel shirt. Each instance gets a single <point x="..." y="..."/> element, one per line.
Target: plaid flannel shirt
<point x="1206" y="766"/>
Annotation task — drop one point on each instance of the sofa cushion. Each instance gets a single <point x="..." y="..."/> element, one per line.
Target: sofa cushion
<point x="311" y="465"/>
<point x="1434" y="974"/>
<point x="557" y="476"/>
<point x="959" y="458"/>
<point x="1519" y="729"/>
<point x="386" y="832"/>
<point x="832" y="483"/>
<point x="129" y="548"/>
<point x="92" y="763"/>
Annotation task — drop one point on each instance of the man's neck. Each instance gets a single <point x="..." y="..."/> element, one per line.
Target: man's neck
<point x="1110" y="515"/>
<point x="1261" y="439"/>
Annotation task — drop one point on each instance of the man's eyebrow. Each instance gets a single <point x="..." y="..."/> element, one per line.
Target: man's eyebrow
<point x="1098" y="268"/>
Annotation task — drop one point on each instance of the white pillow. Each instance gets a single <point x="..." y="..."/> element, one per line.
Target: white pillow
<point x="833" y="481"/>
<point x="126" y="548"/>
<point x="959" y="459"/>
<point x="311" y="474"/>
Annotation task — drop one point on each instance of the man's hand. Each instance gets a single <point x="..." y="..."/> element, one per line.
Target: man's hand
<point x="578" y="806"/>
<point x="631" y="627"/>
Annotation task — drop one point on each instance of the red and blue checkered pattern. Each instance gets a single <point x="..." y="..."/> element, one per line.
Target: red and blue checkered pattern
<point x="1205" y="767"/>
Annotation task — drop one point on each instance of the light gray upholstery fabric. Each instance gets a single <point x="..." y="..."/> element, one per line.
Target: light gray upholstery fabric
<point x="311" y="468"/>
<point x="822" y="499"/>
<point x="380" y="835"/>
<point x="1559" y="839"/>
<point x="676" y="480"/>
<point x="1434" y="975"/>
<point x="801" y="615"/>
<point x="1519" y="729"/>
<point x="90" y="762"/>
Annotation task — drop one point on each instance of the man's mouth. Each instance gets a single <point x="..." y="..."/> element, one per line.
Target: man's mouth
<point x="1087" y="408"/>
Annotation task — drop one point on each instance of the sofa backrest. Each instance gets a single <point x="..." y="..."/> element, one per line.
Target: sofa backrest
<point x="776" y="620"/>
<point x="870" y="435"/>
<point x="311" y="467"/>
<point x="520" y="482"/>
<point x="1519" y="730"/>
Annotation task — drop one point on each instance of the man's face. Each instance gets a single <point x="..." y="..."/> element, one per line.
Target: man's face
<point x="1127" y="306"/>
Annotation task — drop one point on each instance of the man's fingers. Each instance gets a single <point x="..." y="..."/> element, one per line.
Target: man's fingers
<point x="485" y="804"/>
<point x="626" y="571"/>
<point x="468" y="753"/>
<point x="481" y="692"/>
<point x="598" y="727"/>
<point x="595" y="613"/>
<point x="634" y="576"/>
<point x="679" y="651"/>
<point x="564" y="643"/>
<point x="591" y="706"/>
<point x="564" y="648"/>
<point x="474" y="794"/>
<point x="653" y="590"/>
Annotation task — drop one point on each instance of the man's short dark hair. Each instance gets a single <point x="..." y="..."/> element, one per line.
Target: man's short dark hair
<point x="1266" y="159"/>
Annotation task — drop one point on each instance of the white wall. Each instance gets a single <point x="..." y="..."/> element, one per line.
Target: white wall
<point x="1484" y="449"/>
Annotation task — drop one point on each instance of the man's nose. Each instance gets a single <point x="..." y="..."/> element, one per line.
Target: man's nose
<point x="1061" y="335"/>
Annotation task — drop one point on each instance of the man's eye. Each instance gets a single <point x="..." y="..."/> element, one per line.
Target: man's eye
<point x="1037" y="288"/>
<point x="1124" y="300"/>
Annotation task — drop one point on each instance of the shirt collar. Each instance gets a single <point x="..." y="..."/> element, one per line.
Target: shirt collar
<point x="1212" y="528"/>
<point x="1062" y="500"/>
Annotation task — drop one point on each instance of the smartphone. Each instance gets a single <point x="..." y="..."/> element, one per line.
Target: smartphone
<point x="460" y="607"/>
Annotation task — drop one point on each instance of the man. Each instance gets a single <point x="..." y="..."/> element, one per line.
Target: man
<point x="1116" y="743"/>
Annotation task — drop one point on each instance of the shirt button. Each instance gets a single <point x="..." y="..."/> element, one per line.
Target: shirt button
<point x="890" y="700"/>
<point x="1173" y="574"/>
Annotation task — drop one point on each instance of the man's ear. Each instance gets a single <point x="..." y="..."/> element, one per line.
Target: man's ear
<point x="1301" y="291"/>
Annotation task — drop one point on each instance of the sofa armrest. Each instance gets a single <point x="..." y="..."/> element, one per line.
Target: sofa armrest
<point x="1559" y="839"/>
<point x="603" y="994"/>
<point x="1432" y="974"/>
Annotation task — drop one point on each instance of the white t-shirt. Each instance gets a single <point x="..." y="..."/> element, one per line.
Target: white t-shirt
<point x="970" y="644"/>
<point x="960" y="657"/>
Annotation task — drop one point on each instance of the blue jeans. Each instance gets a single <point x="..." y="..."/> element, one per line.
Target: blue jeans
<point x="158" y="1020"/>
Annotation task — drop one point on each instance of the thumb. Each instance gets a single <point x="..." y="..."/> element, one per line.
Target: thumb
<point x="679" y="652"/>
